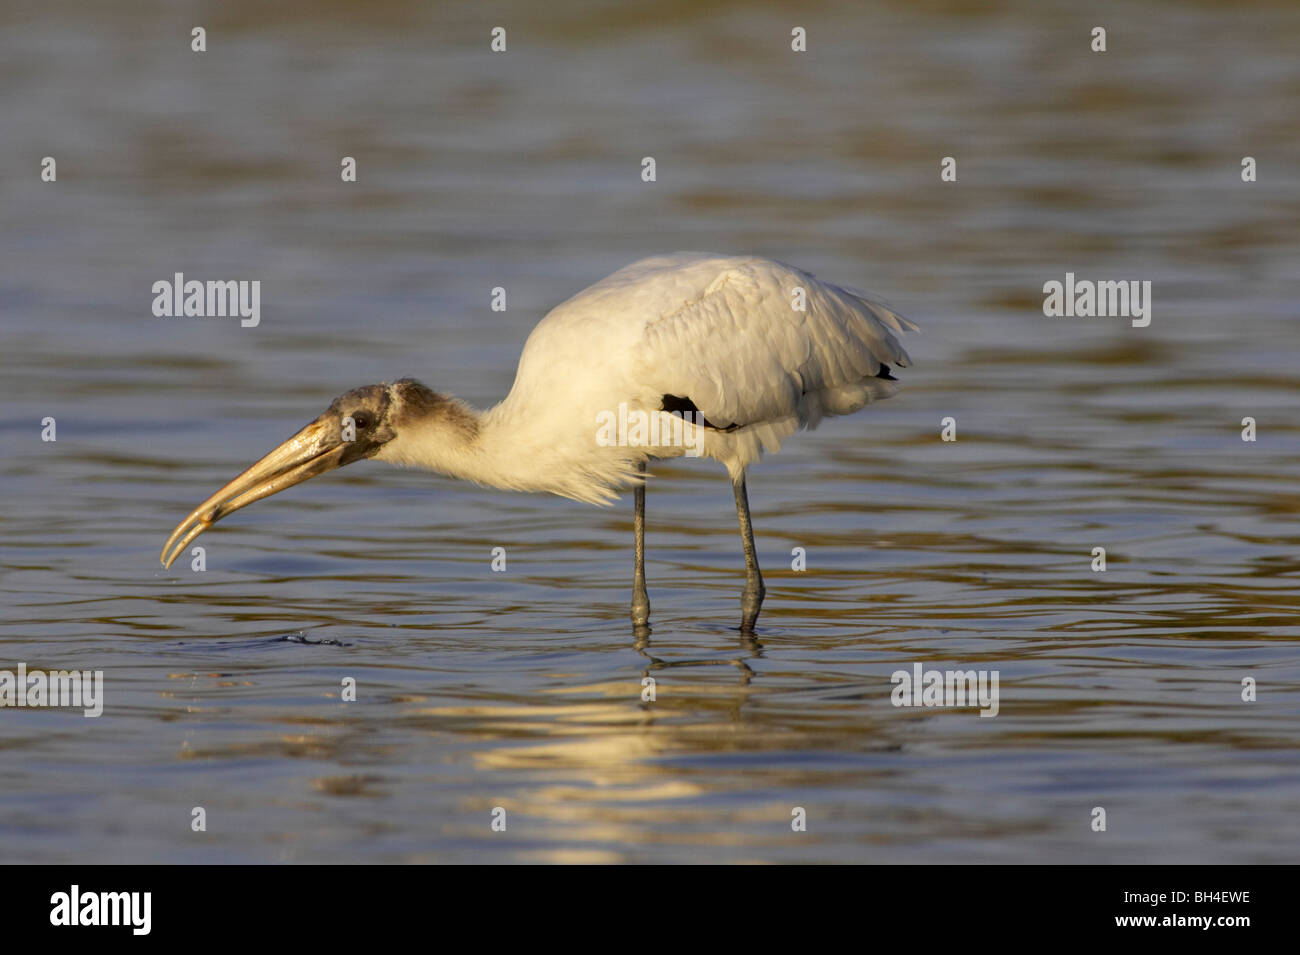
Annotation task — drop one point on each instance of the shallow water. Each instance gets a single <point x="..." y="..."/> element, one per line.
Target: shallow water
<point x="522" y="690"/>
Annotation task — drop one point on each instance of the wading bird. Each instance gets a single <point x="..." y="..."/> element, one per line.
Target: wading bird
<point x="684" y="354"/>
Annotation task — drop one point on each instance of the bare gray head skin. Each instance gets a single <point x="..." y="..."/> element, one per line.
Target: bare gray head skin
<point x="356" y="425"/>
<point x="367" y="408"/>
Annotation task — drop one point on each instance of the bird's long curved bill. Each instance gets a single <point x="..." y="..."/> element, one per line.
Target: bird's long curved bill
<point x="312" y="451"/>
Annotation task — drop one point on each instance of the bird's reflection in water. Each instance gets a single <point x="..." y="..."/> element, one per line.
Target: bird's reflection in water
<point x="748" y="643"/>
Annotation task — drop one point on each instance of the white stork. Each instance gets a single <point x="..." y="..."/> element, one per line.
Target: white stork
<point x="724" y="356"/>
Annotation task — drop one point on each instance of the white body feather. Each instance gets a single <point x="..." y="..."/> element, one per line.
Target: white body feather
<point x="720" y="330"/>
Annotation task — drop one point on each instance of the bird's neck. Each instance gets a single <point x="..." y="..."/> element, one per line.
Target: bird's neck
<point x="448" y="436"/>
<point x="515" y="445"/>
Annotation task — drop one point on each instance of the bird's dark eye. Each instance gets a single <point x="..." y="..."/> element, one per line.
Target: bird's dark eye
<point x="362" y="420"/>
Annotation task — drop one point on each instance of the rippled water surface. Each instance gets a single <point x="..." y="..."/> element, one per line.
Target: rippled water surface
<point x="522" y="690"/>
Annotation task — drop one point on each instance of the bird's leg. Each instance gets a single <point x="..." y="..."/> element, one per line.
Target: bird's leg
<point x="640" y="600"/>
<point x="751" y="601"/>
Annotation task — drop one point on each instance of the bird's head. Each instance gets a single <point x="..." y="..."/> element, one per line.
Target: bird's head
<point x="358" y="424"/>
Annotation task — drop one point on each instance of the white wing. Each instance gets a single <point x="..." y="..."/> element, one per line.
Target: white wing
<point x="730" y="337"/>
